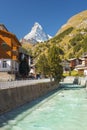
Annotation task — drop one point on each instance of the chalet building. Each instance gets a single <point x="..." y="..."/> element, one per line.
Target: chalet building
<point x="70" y="64"/>
<point x="83" y="66"/>
<point x="74" y="62"/>
<point x="79" y="64"/>
<point x="9" y="51"/>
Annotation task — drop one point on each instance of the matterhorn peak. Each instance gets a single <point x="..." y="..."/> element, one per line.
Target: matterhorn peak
<point x="36" y="34"/>
<point x="37" y="25"/>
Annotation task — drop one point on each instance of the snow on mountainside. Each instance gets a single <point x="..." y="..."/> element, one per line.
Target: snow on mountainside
<point x="36" y="34"/>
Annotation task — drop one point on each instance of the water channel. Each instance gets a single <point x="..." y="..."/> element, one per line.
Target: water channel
<point x="65" y="109"/>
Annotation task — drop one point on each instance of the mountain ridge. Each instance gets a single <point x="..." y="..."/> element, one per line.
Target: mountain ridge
<point x="75" y="21"/>
<point x="72" y="36"/>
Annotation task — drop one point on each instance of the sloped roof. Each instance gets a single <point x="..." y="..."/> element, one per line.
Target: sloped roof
<point x="2" y="27"/>
<point x="9" y="34"/>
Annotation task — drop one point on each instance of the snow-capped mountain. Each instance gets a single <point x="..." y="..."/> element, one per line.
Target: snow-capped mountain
<point x="36" y="34"/>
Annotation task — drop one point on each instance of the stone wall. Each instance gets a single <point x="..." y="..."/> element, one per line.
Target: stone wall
<point x="11" y="98"/>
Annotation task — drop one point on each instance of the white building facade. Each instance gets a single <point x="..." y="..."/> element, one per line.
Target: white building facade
<point x="8" y="65"/>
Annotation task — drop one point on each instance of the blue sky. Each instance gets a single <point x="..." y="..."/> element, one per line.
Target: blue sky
<point x="20" y="15"/>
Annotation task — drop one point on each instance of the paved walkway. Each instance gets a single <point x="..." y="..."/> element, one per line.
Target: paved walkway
<point x="19" y="83"/>
<point x="76" y="80"/>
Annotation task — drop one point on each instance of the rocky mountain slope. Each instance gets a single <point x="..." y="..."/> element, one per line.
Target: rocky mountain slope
<point x="36" y="34"/>
<point x="72" y="36"/>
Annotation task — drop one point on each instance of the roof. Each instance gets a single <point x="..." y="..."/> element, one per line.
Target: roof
<point x="71" y="59"/>
<point x="2" y="27"/>
<point x="10" y="35"/>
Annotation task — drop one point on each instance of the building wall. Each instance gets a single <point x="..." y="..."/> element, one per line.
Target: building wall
<point x="7" y="65"/>
<point x="3" y="66"/>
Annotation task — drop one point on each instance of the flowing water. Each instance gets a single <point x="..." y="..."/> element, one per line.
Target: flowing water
<point x="66" y="109"/>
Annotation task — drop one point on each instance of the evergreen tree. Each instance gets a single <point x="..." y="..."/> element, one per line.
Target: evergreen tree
<point x="54" y="63"/>
<point x="24" y="68"/>
<point x="50" y="64"/>
<point x="42" y="65"/>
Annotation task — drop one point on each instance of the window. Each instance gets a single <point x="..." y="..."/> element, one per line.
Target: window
<point x="4" y="64"/>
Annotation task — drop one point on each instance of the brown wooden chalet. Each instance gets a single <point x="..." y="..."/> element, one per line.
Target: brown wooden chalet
<point x="9" y="50"/>
<point x="81" y="67"/>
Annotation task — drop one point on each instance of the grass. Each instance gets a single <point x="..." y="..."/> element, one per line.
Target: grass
<point x="73" y="73"/>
